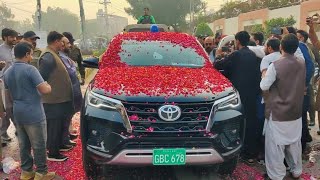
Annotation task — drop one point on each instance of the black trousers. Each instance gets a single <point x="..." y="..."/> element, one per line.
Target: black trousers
<point x="305" y="129"/>
<point x="251" y="148"/>
<point x="55" y="134"/>
<point x="65" y="130"/>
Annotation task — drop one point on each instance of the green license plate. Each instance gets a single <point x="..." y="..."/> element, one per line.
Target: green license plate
<point x="169" y="157"/>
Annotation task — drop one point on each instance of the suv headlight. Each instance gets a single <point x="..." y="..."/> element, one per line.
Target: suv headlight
<point x="230" y="101"/>
<point x="106" y="103"/>
<point x="102" y="102"/>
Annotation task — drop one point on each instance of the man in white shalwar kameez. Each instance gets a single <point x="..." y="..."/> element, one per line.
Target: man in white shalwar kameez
<point x="284" y="84"/>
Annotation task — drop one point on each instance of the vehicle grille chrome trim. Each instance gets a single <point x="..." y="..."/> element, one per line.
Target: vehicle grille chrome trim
<point x="194" y="117"/>
<point x="232" y="151"/>
<point x="98" y="152"/>
<point x="144" y="157"/>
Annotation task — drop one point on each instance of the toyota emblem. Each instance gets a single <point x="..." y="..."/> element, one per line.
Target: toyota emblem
<point x="169" y="112"/>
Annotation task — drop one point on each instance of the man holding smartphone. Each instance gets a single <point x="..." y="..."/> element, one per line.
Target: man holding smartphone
<point x="311" y="22"/>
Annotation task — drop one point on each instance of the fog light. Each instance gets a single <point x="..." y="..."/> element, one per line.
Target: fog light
<point x="94" y="132"/>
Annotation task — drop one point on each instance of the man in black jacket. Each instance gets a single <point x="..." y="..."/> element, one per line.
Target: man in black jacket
<point x="242" y="69"/>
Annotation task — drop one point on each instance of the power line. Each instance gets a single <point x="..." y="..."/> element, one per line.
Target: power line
<point x="21" y="9"/>
<point x="21" y="2"/>
<point x="119" y="9"/>
<point x="10" y="6"/>
<point x="95" y="2"/>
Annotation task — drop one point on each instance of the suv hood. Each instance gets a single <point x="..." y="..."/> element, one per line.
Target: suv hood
<point x="161" y="84"/>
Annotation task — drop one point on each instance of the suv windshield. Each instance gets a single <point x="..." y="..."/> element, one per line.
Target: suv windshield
<point x="163" y="53"/>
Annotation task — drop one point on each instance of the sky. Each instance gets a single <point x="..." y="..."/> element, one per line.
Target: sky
<point x="23" y="9"/>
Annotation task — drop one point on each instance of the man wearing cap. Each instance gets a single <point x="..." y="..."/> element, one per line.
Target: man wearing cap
<point x="75" y="55"/>
<point x="146" y="18"/>
<point x="19" y="38"/>
<point x="9" y="36"/>
<point x="32" y="38"/>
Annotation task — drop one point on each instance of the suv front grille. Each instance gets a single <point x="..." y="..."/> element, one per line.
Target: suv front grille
<point x="194" y="117"/>
<point x="169" y="144"/>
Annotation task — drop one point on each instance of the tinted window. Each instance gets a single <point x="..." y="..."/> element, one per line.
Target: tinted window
<point x="151" y="53"/>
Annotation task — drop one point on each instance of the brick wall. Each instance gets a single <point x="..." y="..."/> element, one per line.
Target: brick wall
<point x="306" y="8"/>
<point x="261" y="14"/>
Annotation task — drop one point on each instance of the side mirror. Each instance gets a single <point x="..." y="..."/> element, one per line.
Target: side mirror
<point x="91" y="63"/>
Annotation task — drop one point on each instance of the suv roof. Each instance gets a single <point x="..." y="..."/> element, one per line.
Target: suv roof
<point x="146" y="28"/>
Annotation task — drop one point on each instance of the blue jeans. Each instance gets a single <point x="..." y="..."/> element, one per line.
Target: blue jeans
<point x="35" y="136"/>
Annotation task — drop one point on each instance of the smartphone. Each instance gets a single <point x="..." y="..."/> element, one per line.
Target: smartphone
<point x="315" y="19"/>
<point x="277" y="31"/>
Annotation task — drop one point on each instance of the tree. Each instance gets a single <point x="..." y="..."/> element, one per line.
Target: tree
<point x="234" y="8"/>
<point x="204" y="29"/>
<point x="169" y="12"/>
<point x="6" y="17"/>
<point x="23" y="26"/>
<point x="61" y="20"/>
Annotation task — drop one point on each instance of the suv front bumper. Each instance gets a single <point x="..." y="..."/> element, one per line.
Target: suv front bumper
<point x="144" y="157"/>
<point x="139" y="151"/>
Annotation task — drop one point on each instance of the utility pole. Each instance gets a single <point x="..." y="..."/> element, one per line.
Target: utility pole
<point x="105" y="3"/>
<point x="83" y="21"/>
<point x="191" y="15"/>
<point x="38" y="14"/>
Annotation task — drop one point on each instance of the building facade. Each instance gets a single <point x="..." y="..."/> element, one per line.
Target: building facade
<point x="299" y="11"/>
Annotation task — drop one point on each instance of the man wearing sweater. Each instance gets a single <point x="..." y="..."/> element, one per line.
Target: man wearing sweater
<point x="284" y="82"/>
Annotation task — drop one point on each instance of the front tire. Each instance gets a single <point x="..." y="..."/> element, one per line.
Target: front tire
<point x="91" y="169"/>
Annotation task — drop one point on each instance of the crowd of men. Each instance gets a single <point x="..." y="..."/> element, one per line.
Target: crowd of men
<point x="40" y="93"/>
<point x="276" y="81"/>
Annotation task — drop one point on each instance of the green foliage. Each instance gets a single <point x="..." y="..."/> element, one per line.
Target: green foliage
<point x="269" y="24"/>
<point x="6" y="17"/>
<point x="98" y="53"/>
<point x="278" y="22"/>
<point x="257" y="28"/>
<point x="234" y="8"/>
<point x="203" y="29"/>
<point x="169" y="12"/>
<point x="61" y="20"/>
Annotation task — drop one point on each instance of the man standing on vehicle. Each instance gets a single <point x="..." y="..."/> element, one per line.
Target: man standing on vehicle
<point x="75" y="55"/>
<point x="58" y="104"/>
<point x="242" y="69"/>
<point x="146" y="18"/>
<point x="25" y="85"/>
<point x="9" y="36"/>
<point x="284" y="82"/>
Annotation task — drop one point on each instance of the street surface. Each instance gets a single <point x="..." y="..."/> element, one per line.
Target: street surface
<point x="72" y="168"/>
